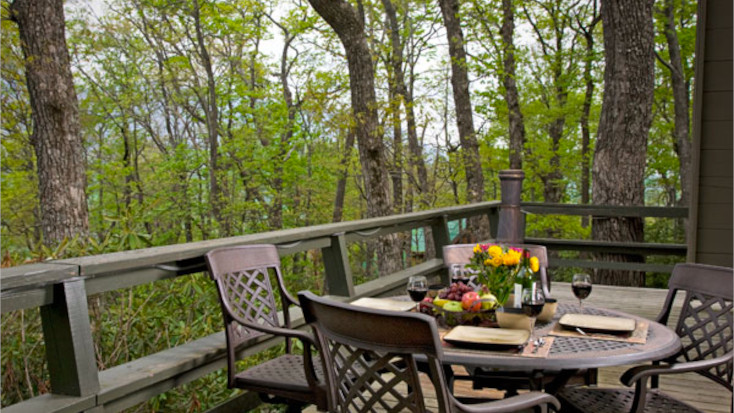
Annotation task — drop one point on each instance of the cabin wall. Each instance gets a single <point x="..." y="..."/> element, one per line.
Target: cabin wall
<point x="710" y="235"/>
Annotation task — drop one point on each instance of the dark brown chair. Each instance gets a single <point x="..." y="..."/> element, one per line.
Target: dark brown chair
<point x="242" y="275"/>
<point x="456" y="257"/>
<point x="370" y="361"/>
<point x="705" y="327"/>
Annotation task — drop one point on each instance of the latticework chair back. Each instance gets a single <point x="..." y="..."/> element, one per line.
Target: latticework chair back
<point x="705" y="321"/>
<point x="457" y="256"/>
<point x="242" y="276"/>
<point x="359" y="346"/>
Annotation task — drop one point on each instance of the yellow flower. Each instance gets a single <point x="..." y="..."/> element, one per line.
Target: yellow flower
<point x="534" y="264"/>
<point x="496" y="261"/>
<point x="512" y="257"/>
<point x="477" y="249"/>
<point x="488" y="262"/>
<point x="495" y="251"/>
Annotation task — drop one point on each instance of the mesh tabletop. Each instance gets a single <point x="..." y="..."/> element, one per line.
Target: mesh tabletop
<point x="577" y="353"/>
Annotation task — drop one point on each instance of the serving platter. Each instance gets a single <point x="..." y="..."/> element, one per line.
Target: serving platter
<point x="384" y="304"/>
<point x="470" y="336"/>
<point x="598" y="323"/>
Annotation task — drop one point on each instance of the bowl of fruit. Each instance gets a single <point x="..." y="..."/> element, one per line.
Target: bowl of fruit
<point x="460" y="304"/>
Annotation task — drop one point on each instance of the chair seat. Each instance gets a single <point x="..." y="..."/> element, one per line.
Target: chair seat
<point x="584" y="399"/>
<point x="284" y="373"/>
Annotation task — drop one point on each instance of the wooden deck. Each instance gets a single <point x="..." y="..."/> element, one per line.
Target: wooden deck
<point x="645" y="302"/>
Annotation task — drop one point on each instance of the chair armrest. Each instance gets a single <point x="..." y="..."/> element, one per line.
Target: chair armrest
<point x="642" y="372"/>
<point x="511" y="404"/>
<point x="277" y="331"/>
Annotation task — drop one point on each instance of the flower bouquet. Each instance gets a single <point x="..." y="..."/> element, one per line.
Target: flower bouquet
<point x="499" y="268"/>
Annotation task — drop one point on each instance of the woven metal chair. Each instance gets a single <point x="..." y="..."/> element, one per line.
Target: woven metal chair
<point x="242" y="275"/>
<point x="370" y="361"/>
<point x="705" y="328"/>
<point x="456" y="257"/>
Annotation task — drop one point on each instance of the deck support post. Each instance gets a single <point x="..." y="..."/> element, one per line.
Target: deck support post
<point x="511" y="227"/>
<point x="68" y="337"/>
<point x="440" y="232"/>
<point x="336" y="266"/>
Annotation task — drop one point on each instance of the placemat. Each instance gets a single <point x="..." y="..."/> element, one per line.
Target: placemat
<point x="638" y="336"/>
<point x="527" y="350"/>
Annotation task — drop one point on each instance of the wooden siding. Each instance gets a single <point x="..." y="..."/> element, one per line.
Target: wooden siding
<point x="710" y="238"/>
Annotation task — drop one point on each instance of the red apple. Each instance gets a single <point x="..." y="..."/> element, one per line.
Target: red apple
<point x="470" y="301"/>
<point x="426" y="308"/>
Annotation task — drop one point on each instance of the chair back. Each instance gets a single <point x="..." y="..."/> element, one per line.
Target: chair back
<point x="359" y="345"/>
<point x="705" y="321"/>
<point x="242" y="277"/>
<point x="456" y="257"/>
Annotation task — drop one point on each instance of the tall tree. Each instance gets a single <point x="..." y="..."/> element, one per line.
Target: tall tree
<point x="516" y="124"/>
<point x="56" y="135"/>
<point x="681" y="100"/>
<point x="349" y="26"/>
<point x="463" y="108"/>
<point x="586" y="30"/>
<point x="619" y="159"/>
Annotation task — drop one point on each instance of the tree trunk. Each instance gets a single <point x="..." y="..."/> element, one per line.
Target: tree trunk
<point x="680" y="104"/>
<point x="341" y="184"/>
<point x="56" y="135"/>
<point x="348" y="25"/>
<point x="211" y="110"/>
<point x="276" y="215"/>
<point x="512" y="96"/>
<point x="588" y="33"/>
<point x="400" y="87"/>
<point x="463" y="108"/>
<point x="619" y="160"/>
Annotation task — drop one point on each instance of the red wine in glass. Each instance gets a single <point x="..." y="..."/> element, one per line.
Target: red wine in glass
<point x="533" y="301"/>
<point x="581" y="286"/>
<point x="417" y="294"/>
<point x="532" y="309"/>
<point x="417" y="289"/>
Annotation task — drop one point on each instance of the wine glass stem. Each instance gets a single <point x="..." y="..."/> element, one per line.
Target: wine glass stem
<point x="532" y="329"/>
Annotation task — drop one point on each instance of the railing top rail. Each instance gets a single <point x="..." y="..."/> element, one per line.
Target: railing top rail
<point x="605" y="210"/>
<point x="50" y="272"/>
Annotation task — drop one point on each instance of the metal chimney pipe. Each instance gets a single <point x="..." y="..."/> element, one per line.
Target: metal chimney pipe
<point x="511" y="226"/>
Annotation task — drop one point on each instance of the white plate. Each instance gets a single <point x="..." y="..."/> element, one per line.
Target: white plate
<point x="597" y="323"/>
<point x="483" y="336"/>
<point x="384" y="304"/>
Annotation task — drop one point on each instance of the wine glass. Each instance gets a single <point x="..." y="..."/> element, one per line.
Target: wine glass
<point x="533" y="301"/>
<point x="417" y="289"/>
<point x="581" y="286"/>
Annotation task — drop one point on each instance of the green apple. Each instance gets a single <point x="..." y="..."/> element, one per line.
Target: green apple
<point x="489" y="301"/>
<point x="454" y="306"/>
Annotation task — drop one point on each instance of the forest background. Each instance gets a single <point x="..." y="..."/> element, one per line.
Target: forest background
<point x="206" y="119"/>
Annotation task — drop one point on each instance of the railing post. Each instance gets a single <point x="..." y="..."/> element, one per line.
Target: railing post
<point x="336" y="265"/>
<point x="440" y="232"/>
<point x="511" y="227"/>
<point x="68" y="337"/>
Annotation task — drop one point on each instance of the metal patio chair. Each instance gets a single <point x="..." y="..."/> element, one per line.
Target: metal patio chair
<point x="370" y="361"/>
<point x="242" y="275"/>
<point x="705" y="328"/>
<point x="456" y="257"/>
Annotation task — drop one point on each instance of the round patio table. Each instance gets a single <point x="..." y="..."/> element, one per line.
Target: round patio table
<point x="569" y="354"/>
